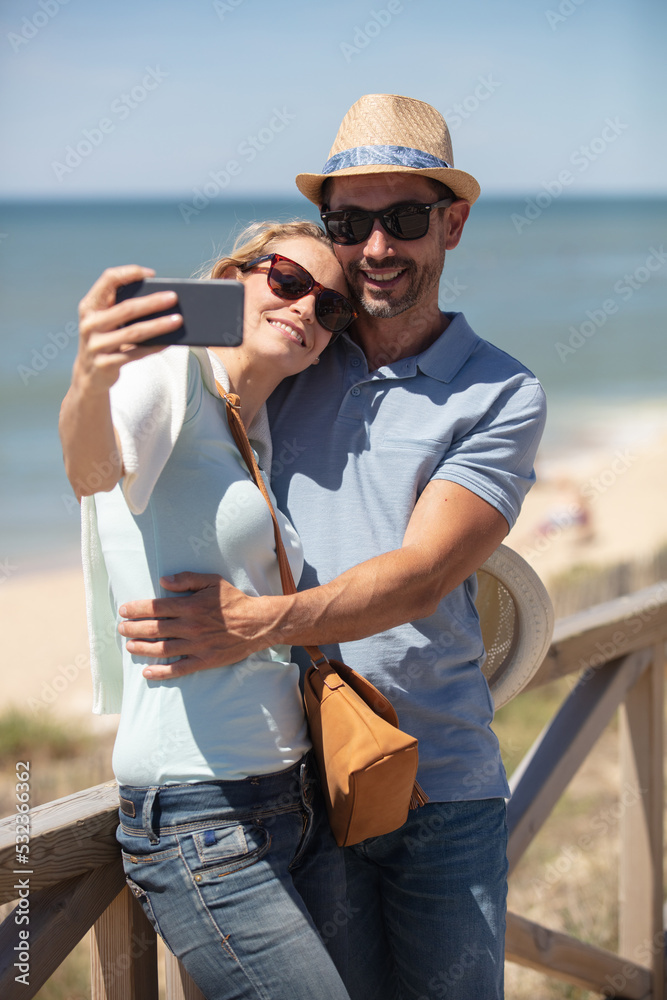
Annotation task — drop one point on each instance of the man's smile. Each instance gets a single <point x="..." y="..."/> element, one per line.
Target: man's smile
<point x="386" y="275"/>
<point x="382" y="277"/>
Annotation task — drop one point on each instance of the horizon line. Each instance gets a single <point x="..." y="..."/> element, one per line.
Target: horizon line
<point x="42" y="197"/>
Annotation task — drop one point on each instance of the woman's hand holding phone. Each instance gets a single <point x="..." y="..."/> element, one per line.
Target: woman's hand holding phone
<point x="111" y="333"/>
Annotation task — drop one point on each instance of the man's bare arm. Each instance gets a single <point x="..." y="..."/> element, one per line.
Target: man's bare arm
<point x="451" y="533"/>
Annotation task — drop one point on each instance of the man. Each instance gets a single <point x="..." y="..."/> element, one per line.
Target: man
<point x="402" y="459"/>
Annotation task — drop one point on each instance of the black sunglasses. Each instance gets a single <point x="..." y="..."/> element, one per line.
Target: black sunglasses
<point x="289" y="280"/>
<point x="405" y="222"/>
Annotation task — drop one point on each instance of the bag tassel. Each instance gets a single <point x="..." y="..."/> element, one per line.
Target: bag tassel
<point x="418" y="797"/>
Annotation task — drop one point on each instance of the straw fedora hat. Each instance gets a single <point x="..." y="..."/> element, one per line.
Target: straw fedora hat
<point x="517" y="621"/>
<point x="385" y="134"/>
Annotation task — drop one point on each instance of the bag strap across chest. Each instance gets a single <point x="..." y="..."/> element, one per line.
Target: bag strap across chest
<point x="236" y="426"/>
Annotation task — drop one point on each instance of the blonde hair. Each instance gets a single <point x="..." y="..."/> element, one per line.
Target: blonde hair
<point x="260" y="238"/>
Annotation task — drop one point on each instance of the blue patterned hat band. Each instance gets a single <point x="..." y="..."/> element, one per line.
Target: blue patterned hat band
<point x="400" y="156"/>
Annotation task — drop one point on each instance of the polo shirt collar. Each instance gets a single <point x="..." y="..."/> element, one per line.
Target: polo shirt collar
<point x="445" y="358"/>
<point x="442" y="360"/>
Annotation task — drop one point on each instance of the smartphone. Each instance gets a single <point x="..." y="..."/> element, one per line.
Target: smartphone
<point x="212" y="310"/>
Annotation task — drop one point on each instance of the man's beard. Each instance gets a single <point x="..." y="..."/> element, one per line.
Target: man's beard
<point x="386" y="304"/>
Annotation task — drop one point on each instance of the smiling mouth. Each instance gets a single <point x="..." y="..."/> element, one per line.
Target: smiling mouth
<point x="382" y="277"/>
<point x="291" y="332"/>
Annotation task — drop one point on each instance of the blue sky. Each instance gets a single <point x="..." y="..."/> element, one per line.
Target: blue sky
<point x="156" y="96"/>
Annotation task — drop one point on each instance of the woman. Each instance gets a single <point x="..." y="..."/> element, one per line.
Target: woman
<point x="219" y="806"/>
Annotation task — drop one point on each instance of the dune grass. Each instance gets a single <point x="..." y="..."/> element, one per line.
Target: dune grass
<point x="23" y="733"/>
<point x="64" y="757"/>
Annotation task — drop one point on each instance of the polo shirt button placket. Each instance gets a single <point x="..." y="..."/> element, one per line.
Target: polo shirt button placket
<point x="356" y="391"/>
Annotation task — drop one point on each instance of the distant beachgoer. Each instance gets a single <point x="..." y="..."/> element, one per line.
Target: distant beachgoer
<point x="225" y="841"/>
<point x="574" y="517"/>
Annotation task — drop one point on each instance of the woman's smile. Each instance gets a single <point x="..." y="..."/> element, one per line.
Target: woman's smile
<point x="289" y="329"/>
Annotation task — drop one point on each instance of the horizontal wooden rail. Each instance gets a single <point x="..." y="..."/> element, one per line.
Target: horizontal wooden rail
<point x="68" y="836"/>
<point x="591" y="638"/>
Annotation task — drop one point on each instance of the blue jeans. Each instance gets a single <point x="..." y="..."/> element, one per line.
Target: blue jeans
<point x="225" y="872"/>
<point x="428" y="904"/>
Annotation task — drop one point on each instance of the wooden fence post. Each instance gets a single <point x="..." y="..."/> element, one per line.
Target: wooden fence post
<point x="641" y="933"/>
<point x="123" y="953"/>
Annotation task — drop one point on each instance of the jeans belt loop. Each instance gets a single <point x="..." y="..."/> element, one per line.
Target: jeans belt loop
<point x="147" y="814"/>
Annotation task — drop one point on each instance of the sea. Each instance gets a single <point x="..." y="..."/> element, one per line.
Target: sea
<point x="576" y="289"/>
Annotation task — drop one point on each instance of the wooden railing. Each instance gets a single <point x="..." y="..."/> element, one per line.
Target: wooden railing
<point x="75" y="879"/>
<point x="619" y="650"/>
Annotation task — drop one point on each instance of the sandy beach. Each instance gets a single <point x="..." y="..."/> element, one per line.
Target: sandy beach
<point x="598" y="506"/>
<point x="46" y="641"/>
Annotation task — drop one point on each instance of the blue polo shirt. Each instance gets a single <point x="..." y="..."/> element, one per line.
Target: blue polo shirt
<point x="352" y="452"/>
